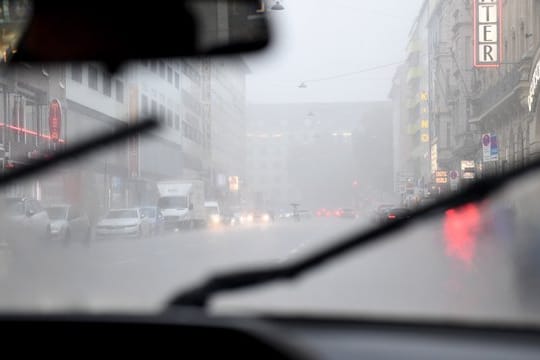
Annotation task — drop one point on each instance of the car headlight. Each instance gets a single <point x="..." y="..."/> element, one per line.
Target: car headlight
<point x="266" y="218"/>
<point x="249" y="218"/>
<point x="216" y="219"/>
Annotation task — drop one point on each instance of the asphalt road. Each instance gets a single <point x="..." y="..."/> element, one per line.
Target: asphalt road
<point x="434" y="269"/>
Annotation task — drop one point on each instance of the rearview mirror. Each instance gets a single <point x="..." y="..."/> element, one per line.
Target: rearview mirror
<point x="116" y="32"/>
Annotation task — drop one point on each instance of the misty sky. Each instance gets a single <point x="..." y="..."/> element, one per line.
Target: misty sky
<point x="322" y="38"/>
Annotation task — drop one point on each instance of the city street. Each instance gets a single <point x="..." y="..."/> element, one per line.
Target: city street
<point x="420" y="272"/>
<point x="144" y="272"/>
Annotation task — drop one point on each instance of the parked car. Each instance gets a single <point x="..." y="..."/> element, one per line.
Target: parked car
<point x="155" y="217"/>
<point x="69" y="222"/>
<point x="24" y="218"/>
<point x="124" y="222"/>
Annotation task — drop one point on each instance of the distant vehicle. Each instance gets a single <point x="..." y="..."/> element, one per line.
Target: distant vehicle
<point x="256" y="217"/>
<point x="304" y="214"/>
<point x="123" y="222"/>
<point x="213" y="213"/>
<point x="346" y="214"/>
<point x="382" y="211"/>
<point x="323" y="212"/>
<point x="396" y="214"/>
<point x="155" y="218"/>
<point x="23" y="217"/>
<point x="68" y="222"/>
<point x="182" y="203"/>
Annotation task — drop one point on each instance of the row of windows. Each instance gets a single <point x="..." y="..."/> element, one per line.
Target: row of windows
<point x="190" y="72"/>
<point x="165" y="71"/>
<point x="167" y="116"/>
<point x="93" y="77"/>
<point x="191" y="133"/>
<point x="192" y="103"/>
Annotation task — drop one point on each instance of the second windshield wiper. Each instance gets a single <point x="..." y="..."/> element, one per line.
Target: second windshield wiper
<point x="199" y="295"/>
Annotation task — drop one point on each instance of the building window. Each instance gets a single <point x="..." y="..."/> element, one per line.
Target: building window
<point x="154" y="108"/>
<point x="161" y="113"/>
<point x="144" y="105"/>
<point x="169" y="119"/>
<point x="169" y="74"/>
<point x="144" y="63"/>
<point x="177" y="122"/>
<point x="176" y="80"/>
<point x="119" y="91"/>
<point x="92" y="77"/>
<point x="107" y="85"/>
<point x="76" y="72"/>
<point x="162" y="69"/>
<point x="153" y="66"/>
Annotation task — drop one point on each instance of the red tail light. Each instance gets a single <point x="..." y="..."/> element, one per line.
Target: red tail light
<point x="319" y="213"/>
<point x="338" y="213"/>
<point x="392" y="216"/>
<point x="328" y="214"/>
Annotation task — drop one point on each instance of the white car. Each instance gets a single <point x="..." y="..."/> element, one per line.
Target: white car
<point x="22" y="217"/>
<point x="68" y="222"/>
<point x="213" y="214"/>
<point x="124" y="222"/>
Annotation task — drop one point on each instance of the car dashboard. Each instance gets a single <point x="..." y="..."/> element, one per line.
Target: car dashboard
<point x="186" y="333"/>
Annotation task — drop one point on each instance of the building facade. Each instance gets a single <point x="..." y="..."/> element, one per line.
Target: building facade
<point x="469" y="104"/>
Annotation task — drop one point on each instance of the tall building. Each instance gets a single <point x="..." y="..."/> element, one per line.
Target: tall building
<point x="318" y="154"/>
<point x="227" y="115"/>
<point x="471" y="105"/>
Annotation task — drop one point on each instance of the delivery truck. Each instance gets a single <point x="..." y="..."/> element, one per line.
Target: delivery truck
<point x="182" y="204"/>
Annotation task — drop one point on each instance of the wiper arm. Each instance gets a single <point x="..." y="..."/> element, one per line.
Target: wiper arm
<point x="199" y="296"/>
<point x="81" y="148"/>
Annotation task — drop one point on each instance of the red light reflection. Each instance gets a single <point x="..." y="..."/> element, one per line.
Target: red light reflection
<point x="461" y="227"/>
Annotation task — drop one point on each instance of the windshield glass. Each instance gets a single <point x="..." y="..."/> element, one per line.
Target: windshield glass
<point x="359" y="112"/>
<point x="179" y="202"/>
<point x="121" y="214"/>
<point x="57" y="213"/>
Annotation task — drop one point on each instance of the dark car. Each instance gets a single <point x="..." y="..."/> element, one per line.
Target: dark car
<point x="396" y="214"/>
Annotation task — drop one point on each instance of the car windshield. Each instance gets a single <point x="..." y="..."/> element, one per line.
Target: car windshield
<point x="57" y="212"/>
<point x="122" y="214"/>
<point x="169" y="202"/>
<point x="357" y="110"/>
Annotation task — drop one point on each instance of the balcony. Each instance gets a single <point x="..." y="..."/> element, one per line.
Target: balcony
<point x="496" y="93"/>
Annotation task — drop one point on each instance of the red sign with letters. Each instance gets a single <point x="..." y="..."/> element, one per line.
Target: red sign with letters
<point x="55" y="120"/>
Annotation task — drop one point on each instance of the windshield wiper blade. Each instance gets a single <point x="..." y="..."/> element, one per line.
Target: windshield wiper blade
<point x="199" y="295"/>
<point x="84" y="147"/>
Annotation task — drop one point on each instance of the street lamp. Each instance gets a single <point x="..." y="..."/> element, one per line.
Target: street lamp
<point x="277" y="6"/>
